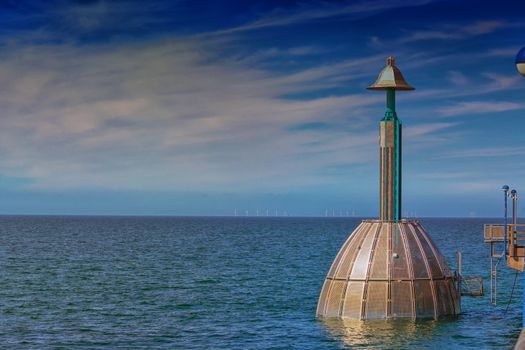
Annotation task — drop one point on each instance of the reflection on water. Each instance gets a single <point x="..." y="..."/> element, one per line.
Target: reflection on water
<point x="380" y="334"/>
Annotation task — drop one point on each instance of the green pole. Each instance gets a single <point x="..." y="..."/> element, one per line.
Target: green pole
<point x="391" y="114"/>
<point x="391" y="100"/>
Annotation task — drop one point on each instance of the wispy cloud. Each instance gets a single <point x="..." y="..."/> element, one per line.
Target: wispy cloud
<point x="487" y="152"/>
<point x="41" y="21"/>
<point x="166" y="115"/>
<point x="321" y="11"/>
<point x="485" y="82"/>
<point x="472" y="186"/>
<point x="499" y="82"/>
<point x="457" y="78"/>
<point x="455" y="32"/>
<point x="424" y="129"/>
<point x="433" y="176"/>
<point x="452" y="32"/>
<point x="501" y="52"/>
<point x="208" y="108"/>
<point x="480" y="107"/>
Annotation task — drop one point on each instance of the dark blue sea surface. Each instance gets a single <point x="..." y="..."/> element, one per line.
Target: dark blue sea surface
<point x="216" y="283"/>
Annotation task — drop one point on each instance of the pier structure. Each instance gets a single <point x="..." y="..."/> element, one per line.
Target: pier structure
<point x="509" y="239"/>
<point x="511" y="236"/>
<point x="389" y="268"/>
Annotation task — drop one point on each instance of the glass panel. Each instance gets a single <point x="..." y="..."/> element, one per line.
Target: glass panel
<point x="444" y="300"/>
<point x="334" y="298"/>
<point x="455" y="298"/>
<point x="399" y="261"/>
<point x="442" y="261"/>
<point x="433" y="263"/>
<point x="363" y="257"/>
<point x="349" y="254"/>
<point x="379" y="262"/>
<point x="342" y="252"/>
<point x="353" y="299"/>
<point x="322" y="297"/>
<point x="402" y="299"/>
<point x="446" y="269"/>
<point x="376" y="300"/>
<point x="418" y="263"/>
<point x="424" y="299"/>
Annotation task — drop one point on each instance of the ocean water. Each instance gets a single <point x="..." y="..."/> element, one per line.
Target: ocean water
<point x="216" y="283"/>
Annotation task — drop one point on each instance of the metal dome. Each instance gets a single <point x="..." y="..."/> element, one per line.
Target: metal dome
<point x="520" y="57"/>
<point x="520" y="61"/>
<point x="390" y="78"/>
<point x="389" y="270"/>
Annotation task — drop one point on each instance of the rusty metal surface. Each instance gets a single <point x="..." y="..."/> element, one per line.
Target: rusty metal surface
<point x="494" y="233"/>
<point x="390" y="78"/>
<point x="387" y="200"/>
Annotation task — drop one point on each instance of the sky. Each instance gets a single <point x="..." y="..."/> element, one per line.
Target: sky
<point x="211" y="107"/>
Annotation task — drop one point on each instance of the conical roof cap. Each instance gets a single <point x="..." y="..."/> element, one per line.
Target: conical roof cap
<point x="390" y="77"/>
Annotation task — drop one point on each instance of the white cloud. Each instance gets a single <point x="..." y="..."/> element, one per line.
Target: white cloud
<point x="490" y="83"/>
<point x="452" y="32"/>
<point x="449" y="175"/>
<point x="169" y="115"/>
<point x="414" y="132"/>
<point x="502" y="52"/>
<point x="457" y="78"/>
<point x="487" y="152"/>
<point x="455" y="32"/>
<point x="471" y="186"/>
<point x="320" y="11"/>
<point x="479" y="107"/>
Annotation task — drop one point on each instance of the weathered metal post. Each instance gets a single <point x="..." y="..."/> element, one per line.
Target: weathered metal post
<point x="390" y="143"/>
<point x="505" y="189"/>
<point x="514" y="197"/>
<point x="459" y="272"/>
<point x="520" y="66"/>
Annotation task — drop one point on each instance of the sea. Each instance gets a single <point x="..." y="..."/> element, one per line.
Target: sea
<point x="219" y="283"/>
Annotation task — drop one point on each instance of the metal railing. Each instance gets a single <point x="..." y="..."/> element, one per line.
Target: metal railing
<point x="514" y="243"/>
<point x="515" y="237"/>
<point x="493" y="233"/>
<point x="516" y="240"/>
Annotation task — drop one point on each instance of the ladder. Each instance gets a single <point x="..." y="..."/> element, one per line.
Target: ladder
<point x="494" y="234"/>
<point x="494" y="263"/>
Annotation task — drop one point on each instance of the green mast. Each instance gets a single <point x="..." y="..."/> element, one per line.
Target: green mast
<point x="390" y="79"/>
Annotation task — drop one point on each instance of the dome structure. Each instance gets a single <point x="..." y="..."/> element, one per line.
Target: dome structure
<point x="390" y="78"/>
<point x="520" y="61"/>
<point x="389" y="270"/>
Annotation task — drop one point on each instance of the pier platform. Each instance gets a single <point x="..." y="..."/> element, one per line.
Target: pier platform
<point x="515" y="237"/>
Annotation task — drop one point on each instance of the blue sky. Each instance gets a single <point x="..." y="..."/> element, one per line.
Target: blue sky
<point x="201" y="107"/>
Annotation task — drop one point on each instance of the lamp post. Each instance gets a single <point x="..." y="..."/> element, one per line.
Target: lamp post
<point x="520" y="66"/>
<point x="514" y="197"/>
<point x="505" y="190"/>
<point x="520" y="61"/>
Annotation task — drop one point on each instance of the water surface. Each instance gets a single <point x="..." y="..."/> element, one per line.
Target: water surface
<point x="200" y="283"/>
